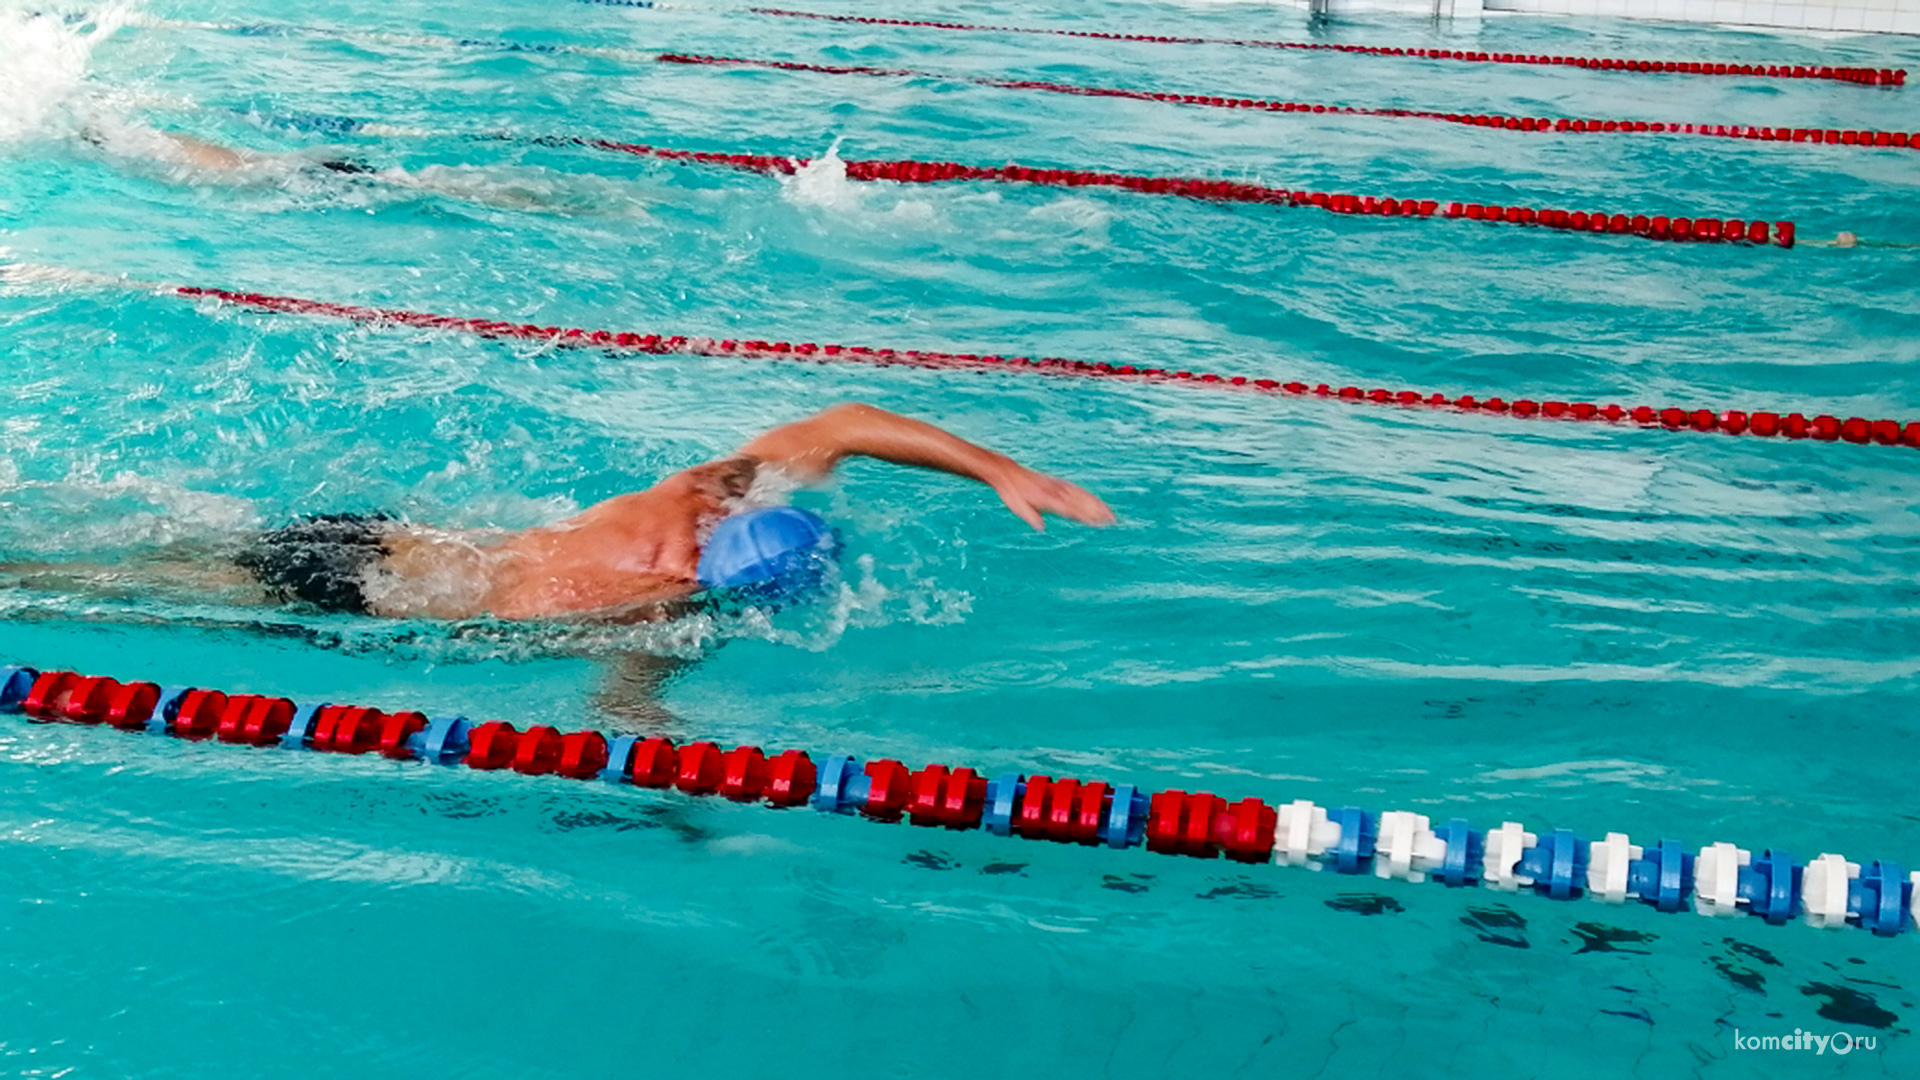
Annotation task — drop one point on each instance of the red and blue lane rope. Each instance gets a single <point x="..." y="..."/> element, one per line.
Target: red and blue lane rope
<point x="1868" y="139"/>
<point x="1858" y="75"/>
<point x="1822" y="427"/>
<point x="1720" y="879"/>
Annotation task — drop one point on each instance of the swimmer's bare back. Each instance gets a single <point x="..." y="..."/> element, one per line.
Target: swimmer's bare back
<point x="635" y="552"/>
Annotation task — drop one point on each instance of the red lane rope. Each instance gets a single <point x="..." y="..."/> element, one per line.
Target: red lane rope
<point x="1847" y="137"/>
<point x="1824" y="427"/>
<point x="1863" y="76"/>
<point x="1660" y="227"/>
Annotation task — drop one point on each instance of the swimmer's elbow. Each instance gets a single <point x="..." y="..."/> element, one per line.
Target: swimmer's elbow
<point x="850" y="410"/>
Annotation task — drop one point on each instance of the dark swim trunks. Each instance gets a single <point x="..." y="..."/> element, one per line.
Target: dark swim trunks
<point x="346" y="165"/>
<point x="321" y="559"/>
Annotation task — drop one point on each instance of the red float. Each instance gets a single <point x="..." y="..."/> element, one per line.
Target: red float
<point x="264" y="721"/>
<point x="654" y="763"/>
<point x="698" y="770"/>
<point x="47" y="698"/>
<point x="132" y="705"/>
<point x="232" y="726"/>
<point x="1245" y="830"/>
<point x="396" y="729"/>
<point x="537" y="751"/>
<point x="955" y="799"/>
<point x="583" y="755"/>
<point x="1182" y="824"/>
<point x="199" y="713"/>
<point x="743" y="773"/>
<point x="348" y="729"/>
<point x="491" y="745"/>
<point x="87" y="699"/>
<point x="791" y="779"/>
<point x="888" y="789"/>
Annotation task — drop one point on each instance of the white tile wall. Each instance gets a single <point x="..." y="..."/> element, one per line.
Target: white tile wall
<point x="1884" y="16"/>
<point x="1413" y="7"/>
<point x="1447" y="8"/>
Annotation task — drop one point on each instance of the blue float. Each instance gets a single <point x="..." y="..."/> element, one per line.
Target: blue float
<point x="1357" y="835"/>
<point x="1879" y="898"/>
<point x="1003" y="794"/>
<point x="842" y="786"/>
<point x="1771" y="886"/>
<point x="1126" y="822"/>
<point x="619" y="754"/>
<point x="15" y="684"/>
<point x="1557" y="865"/>
<point x="1664" y="877"/>
<point x="299" y="729"/>
<point x="443" y="741"/>
<point x="167" y="709"/>
<point x="1465" y="850"/>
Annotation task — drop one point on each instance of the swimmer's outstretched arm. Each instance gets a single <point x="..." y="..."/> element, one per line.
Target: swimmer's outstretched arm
<point x="810" y="448"/>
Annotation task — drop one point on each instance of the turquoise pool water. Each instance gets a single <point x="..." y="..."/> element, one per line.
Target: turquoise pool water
<point x="1574" y="626"/>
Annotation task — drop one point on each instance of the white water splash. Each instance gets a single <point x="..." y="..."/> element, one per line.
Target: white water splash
<point x="822" y="184"/>
<point x="44" y="58"/>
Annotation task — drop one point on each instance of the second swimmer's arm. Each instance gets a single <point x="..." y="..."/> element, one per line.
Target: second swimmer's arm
<point x="810" y="448"/>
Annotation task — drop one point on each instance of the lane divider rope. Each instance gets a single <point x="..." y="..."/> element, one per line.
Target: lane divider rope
<point x="1718" y="880"/>
<point x="1594" y="220"/>
<point x="1839" y="137"/>
<point x="1764" y="424"/>
<point x="1597" y="221"/>
<point x="1857" y="137"/>
<point x="1858" y="75"/>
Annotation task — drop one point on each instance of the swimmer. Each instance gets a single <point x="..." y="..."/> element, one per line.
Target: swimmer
<point x="175" y="149"/>
<point x="187" y="158"/>
<point x="712" y="530"/>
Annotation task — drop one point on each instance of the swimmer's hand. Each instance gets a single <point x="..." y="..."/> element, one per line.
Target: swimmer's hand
<point x="1031" y="495"/>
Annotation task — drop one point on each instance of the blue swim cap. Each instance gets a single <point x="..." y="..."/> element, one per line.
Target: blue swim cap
<point x="776" y="551"/>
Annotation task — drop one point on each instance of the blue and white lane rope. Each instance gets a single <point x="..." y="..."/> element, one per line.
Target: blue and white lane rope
<point x="1719" y="880"/>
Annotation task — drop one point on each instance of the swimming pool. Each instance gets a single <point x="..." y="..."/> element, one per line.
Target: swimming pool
<point x="1597" y="627"/>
